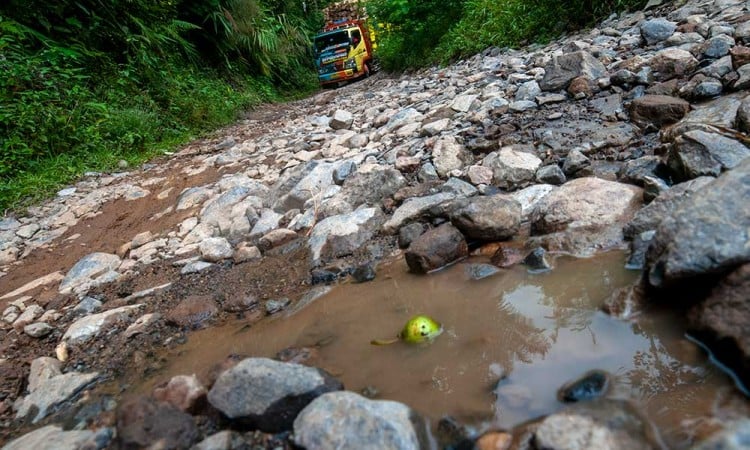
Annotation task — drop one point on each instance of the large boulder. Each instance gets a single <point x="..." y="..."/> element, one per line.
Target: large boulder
<point x="90" y="271"/>
<point x="488" y="218"/>
<point x="707" y="234"/>
<point x="585" y="215"/>
<point x="721" y="321"/>
<point x="512" y="169"/>
<point x="698" y="153"/>
<point x="436" y="248"/>
<point x="267" y="394"/>
<point x="348" y="420"/>
<point x="563" y="69"/>
<point x="343" y="234"/>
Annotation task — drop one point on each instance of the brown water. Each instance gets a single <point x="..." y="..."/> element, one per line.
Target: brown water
<point x="535" y="331"/>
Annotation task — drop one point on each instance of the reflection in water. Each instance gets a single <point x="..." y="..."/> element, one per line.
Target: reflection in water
<point x="511" y="340"/>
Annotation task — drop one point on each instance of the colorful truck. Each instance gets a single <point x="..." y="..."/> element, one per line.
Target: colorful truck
<point x="344" y="51"/>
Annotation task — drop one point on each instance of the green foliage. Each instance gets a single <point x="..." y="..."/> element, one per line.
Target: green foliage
<point x="423" y="33"/>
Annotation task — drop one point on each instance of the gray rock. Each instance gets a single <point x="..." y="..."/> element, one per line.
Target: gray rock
<point x="370" y="184"/>
<point x="743" y="115"/>
<point x="551" y="174"/>
<point x="38" y="330"/>
<point x="708" y="88"/>
<point x="341" y="235"/>
<point x="403" y="117"/>
<point x="268" y="221"/>
<point x="342" y="171"/>
<point x="522" y="105"/>
<point x="536" y="261"/>
<point x="563" y="69"/>
<point x="698" y="153"/>
<point x="649" y="217"/>
<point x="488" y="218"/>
<point x="314" y="179"/>
<point x="706" y="234"/>
<point x="29" y="315"/>
<point x="215" y="249"/>
<point x="735" y="435"/>
<point x="529" y="197"/>
<point x="223" y="440"/>
<point x="657" y="30"/>
<point x="52" y="437"/>
<point x="601" y="424"/>
<point x="574" y="162"/>
<point x="459" y="187"/>
<point x="407" y="234"/>
<point x="463" y="103"/>
<point x="427" y="173"/>
<point x="41" y="370"/>
<point x="585" y="215"/>
<point x="528" y="91"/>
<point x="658" y="110"/>
<point x="341" y="120"/>
<point x="276" y="305"/>
<point x="449" y="155"/>
<point x="89" y="327"/>
<point x="480" y="271"/>
<point x="9" y="224"/>
<point x="436" y="248"/>
<point x="348" y="420"/>
<point x="52" y="393"/>
<point x="591" y="385"/>
<point x="195" y="267"/>
<point x="435" y="127"/>
<point x="27" y="231"/>
<point x="717" y="46"/>
<point x="87" y="306"/>
<point x="719" y="113"/>
<point x="743" y="80"/>
<point x="414" y="208"/>
<point x="512" y="169"/>
<point x="218" y="212"/>
<point x="268" y="394"/>
<point x="90" y="271"/>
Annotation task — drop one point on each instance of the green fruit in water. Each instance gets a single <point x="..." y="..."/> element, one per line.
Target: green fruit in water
<point x="420" y="329"/>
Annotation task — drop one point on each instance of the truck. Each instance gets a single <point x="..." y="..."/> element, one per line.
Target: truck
<point x="345" y="48"/>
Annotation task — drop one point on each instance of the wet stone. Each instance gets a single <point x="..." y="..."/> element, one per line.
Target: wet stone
<point x="480" y="271"/>
<point x="489" y="218"/>
<point x="142" y="422"/>
<point x="591" y="385"/>
<point x="407" y="234"/>
<point x="274" y="306"/>
<point x="193" y="312"/>
<point x="536" y="261"/>
<point x="436" y="248"/>
<point x="184" y="392"/>
<point x="507" y="256"/>
<point x="364" y="273"/>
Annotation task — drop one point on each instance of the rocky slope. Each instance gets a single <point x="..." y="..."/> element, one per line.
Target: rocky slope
<point x="632" y="134"/>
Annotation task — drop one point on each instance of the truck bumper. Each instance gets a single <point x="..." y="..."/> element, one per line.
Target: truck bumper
<point x="341" y="75"/>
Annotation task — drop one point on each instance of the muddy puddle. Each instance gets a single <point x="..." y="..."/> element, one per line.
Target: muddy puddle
<point x="510" y="341"/>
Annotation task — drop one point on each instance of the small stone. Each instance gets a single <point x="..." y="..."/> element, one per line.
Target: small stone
<point x="88" y="305"/>
<point x="494" y="440"/>
<point x="141" y="239"/>
<point x="184" y="392"/>
<point x="245" y="253"/>
<point x="30" y="314"/>
<point x="143" y="421"/>
<point x="536" y="261"/>
<point x="341" y="120"/>
<point x="551" y="174"/>
<point x="42" y="369"/>
<point x="435" y="249"/>
<point x="657" y="30"/>
<point x="591" y="385"/>
<point x="407" y="234"/>
<point x="38" y="330"/>
<point x="215" y="249"/>
<point x="575" y="162"/>
<point x="364" y="273"/>
<point x="274" y="306"/>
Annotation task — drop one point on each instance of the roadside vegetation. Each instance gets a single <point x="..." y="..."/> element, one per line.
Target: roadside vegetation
<point x="87" y="83"/>
<point x="424" y="32"/>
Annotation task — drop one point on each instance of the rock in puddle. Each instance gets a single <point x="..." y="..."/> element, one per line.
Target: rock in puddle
<point x="364" y="273"/>
<point x="436" y="248"/>
<point x="536" y="261"/>
<point x="589" y="386"/>
<point x="268" y="394"/>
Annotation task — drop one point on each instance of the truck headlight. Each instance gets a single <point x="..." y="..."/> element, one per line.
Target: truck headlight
<point x="350" y="63"/>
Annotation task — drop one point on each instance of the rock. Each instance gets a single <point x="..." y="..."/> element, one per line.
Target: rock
<point x="585" y="214"/>
<point x="720" y="322"/>
<point x="507" y="256"/>
<point x="142" y="324"/>
<point x="719" y="113"/>
<point x="193" y="312"/>
<point x="341" y="235"/>
<point x="673" y="62"/>
<point x="413" y="209"/>
<point x="348" y="420"/>
<point x="302" y="184"/>
<point x="657" y="30"/>
<point x="734" y="435"/>
<point x="183" y="392"/>
<point x="488" y="218"/>
<point x="676" y="254"/>
<point x="740" y="56"/>
<point x="276" y="238"/>
<point x="192" y="197"/>
<point x="407" y="234"/>
<point x="638" y="171"/>
<point x="53" y="277"/>
<point x="436" y="248"/>
<point x="743" y="115"/>
<point x="86" y="328"/>
<point x="649" y="217"/>
<point x="88" y="305"/>
<point x="223" y="440"/>
<point x="38" y="330"/>
<point x="574" y="162"/>
<point x="268" y="394"/>
<point x="463" y="103"/>
<point x="601" y="424"/>
<point x="195" y="267"/>
<point x="698" y="153"/>
<point x="522" y="105"/>
<point x="480" y="271"/>
<point x="29" y="315"/>
<point x="581" y="87"/>
<point x="89" y="271"/>
<point x="245" y="253"/>
<point x="551" y="174"/>
<point x="364" y="273"/>
<point x="52" y="393"/>
<point x="42" y="369"/>
<point x="52" y="437"/>
<point x="717" y="46"/>
<point x="528" y="91"/>
<point x="342" y="172"/>
<point x="563" y="69"/>
<point x="480" y="175"/>
<point x="512" y="169"/>
<point x="403" y="117"/>
<point x="589" y="386"/>
<point x="341" y="120"/>
<point x="529" y="197"/>
<point x="146" y="423"/>
<point x="27" y="231"/>
<point x="274" y="306"/>
<point x="370" y="185"/>
<point x="536" y="261"/>
<point x="215" y="249"/>
<point x="449" y="155"/>
<point x="459" y="187"/>
<point x="658" y="110"/>
<point x="268" y="221"/>
<point x="435" y="127"/>
<point x="141" y="239"/>
<point x="494" y="440"/>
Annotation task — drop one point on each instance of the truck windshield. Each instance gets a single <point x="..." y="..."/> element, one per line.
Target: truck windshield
<point x="331" y="40"/>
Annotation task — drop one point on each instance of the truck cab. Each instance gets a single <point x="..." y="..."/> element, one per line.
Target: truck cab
<point x="343" y="51"/>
